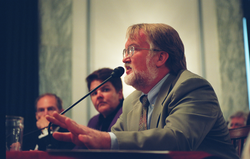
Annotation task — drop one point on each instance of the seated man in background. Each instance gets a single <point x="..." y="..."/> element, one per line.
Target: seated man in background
<point x="107" y="99"/>
<point x="46" y="104"/>
<point x="238" y="119"/>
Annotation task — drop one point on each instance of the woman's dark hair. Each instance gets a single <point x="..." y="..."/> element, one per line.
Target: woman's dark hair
<point x="102" y="75"/>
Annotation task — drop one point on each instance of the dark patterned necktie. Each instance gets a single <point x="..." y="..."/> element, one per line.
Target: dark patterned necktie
<point x="143" y="118"/>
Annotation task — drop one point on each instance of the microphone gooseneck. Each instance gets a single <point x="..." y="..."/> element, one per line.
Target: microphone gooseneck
<point x="117" y="73"/>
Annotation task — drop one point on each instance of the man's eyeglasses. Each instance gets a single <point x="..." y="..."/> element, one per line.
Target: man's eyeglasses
<point x="129" y="52"/>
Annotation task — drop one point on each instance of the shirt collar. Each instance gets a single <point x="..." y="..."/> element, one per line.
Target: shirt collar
<point x="152" y="94"/>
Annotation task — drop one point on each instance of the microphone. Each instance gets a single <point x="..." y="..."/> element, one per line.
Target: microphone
<point x="117" y="73"/>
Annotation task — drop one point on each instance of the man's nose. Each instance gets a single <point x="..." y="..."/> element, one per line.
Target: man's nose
<point x="46" y="112"/>
<point x="126" y="59"/>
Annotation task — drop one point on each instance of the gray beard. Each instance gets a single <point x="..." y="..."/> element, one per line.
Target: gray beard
<point x="142" y="79"/>
<point x="135" y="80"/>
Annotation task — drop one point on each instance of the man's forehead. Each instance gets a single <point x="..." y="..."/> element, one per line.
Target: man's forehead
<point x="138" y="38"/>
<point x="46" y="100"/>
<point x="237" y="118"/>
<point x="139" y="35"/>
<point x="47" y="107"/>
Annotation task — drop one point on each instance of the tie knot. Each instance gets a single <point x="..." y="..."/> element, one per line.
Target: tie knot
<point x="144" y="100"/>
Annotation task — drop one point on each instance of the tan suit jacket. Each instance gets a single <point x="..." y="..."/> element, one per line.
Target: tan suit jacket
<point x="186" y="117"/>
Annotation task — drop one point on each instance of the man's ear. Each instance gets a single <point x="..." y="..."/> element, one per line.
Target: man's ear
<point x="162" y="58"/>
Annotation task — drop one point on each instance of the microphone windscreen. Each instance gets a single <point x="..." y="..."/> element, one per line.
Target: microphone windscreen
<point x="118" y="72"/>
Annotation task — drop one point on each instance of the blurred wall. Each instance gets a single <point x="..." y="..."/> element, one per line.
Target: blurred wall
<point x="55" y="49"/>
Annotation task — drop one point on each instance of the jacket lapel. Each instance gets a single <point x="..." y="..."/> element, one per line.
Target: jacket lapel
<point x="132" y="117"/>
<point x="162" y="95"/>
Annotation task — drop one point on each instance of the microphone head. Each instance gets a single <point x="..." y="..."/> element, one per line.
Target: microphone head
<point x="118" y="72"/>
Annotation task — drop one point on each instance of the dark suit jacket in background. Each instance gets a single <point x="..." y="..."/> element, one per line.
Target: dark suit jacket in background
<point x="30" y="142"/>
<point x="186" y="117"/>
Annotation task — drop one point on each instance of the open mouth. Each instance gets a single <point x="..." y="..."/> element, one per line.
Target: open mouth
<point x="128" y="69"/>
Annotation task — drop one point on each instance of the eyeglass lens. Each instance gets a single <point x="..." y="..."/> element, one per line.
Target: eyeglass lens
<point x="129" y="51"/>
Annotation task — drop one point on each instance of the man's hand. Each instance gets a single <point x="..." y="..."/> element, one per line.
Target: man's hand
<point x="79" y="134"/>
<point x="42" y="122"/>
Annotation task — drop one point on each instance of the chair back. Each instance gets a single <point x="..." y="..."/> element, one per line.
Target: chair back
<point x="238" y="137"/>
